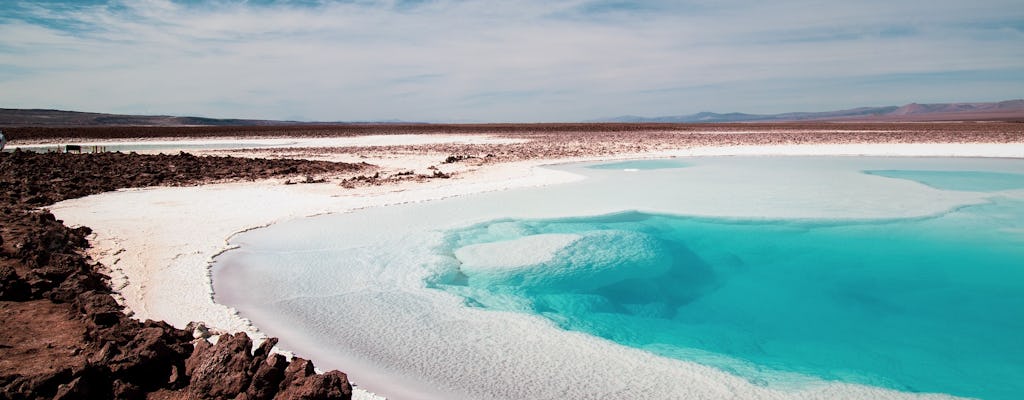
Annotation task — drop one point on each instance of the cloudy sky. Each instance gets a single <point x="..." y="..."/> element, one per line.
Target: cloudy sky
<point x="493" y="61"/>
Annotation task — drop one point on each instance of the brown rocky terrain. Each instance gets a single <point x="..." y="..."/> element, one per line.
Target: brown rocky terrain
<point x="63" y="336"/>
<point x="575" y="140"/>
<point x="36" y="133"/>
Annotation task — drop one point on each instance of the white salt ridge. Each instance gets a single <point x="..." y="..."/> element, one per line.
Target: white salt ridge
<point x="596" y="256"/>
<point x="513" y="254"/>
<point x="400" y="339"/>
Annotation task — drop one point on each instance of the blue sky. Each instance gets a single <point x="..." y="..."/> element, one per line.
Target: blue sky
<point x="495" y="61"/>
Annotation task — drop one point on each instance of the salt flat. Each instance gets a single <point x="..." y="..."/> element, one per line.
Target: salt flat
<point x="159" y="241"/>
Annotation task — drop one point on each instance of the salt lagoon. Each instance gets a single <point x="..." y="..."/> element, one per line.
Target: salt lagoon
<point x="774" y="277"/>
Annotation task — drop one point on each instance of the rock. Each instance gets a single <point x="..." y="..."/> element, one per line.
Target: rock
<point x="198" y="329"/>
<point x="222" y="372"/>
<point x="76" y="284"/>
<point x="43" y="385"/>
<point x="267" y="378"/>
<point x="127" y="391"/>
<point x="148" y="361"/>
<point x="330" y="385"/>
<point x="264" y="350"/>
<point x="100" y="309"/>
<point x="12" y="287"/>
<point x="105" y="354"/>
<point x="199" y="350"/>
<point x="59" y="267"/>
<point x="74" y="390"/>
<point x="90" y="383"/>
<point x="296" y="373"/>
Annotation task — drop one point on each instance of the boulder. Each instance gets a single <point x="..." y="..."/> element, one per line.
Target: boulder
<point x="327" y="386"/>
<point x="222" y="371"/>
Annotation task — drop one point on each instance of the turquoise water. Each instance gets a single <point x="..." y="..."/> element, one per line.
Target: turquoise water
<point x="971" y="181"/>
<point x="922" y="305"/>
<point x="642" y="164"/>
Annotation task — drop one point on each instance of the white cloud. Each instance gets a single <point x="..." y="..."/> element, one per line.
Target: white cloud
<point x="497" y="61"/>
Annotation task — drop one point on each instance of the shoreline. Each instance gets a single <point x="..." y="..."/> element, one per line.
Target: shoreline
<point x="63" y="335"/>
<point x="185" y="228"/>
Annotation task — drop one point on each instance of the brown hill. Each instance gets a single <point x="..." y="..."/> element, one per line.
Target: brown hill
<point x="55" y="118"/>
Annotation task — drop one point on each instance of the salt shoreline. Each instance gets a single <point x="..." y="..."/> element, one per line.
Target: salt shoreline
<point x="159" y="241"/>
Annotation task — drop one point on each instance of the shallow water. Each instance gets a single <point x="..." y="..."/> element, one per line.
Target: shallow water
<point x="922" y="305"/>
<point x="976" y="181"/>
<point x="641" y="164"/>
<point x="785" y="273"/>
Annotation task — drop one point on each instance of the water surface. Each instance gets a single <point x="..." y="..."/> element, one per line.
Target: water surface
<point x="736" y="276"/>
<point x="922" y="305"/>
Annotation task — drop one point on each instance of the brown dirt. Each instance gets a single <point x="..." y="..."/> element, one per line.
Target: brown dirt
<point x="37" y="337"/>
<point x="564" y="141"/>
<point x="15" y="133"/>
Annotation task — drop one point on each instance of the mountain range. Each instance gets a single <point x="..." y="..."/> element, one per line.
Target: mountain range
<point x="1003" y="110"/>
<point x="913" y="112"/>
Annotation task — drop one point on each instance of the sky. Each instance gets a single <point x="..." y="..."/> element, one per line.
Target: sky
<point x="503" y="61"/>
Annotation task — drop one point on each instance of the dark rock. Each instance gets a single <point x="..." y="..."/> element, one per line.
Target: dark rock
<point x="127" y="391"/>
<point x="76" y="284"/>
<point x="42" y="385"/>
<point x="199" y="351"/>
<point x="100" y="309"/>
<point x="90" y="383"/>
<point x="296" y="373"/>
<point x="12" y="287"/>
<point x="330" y="385"/>
<point x="58" y="267"/>
<point x="267" y="378"/>
<point x="222" y="372"/>
<point x="105" y="354"/>
<point x="149" y="359"/>
<point x="263" y="351"/>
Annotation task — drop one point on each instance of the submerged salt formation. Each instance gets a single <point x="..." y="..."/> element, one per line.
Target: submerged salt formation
<point x="460" y="286"/>
<point x="939" y="294"/>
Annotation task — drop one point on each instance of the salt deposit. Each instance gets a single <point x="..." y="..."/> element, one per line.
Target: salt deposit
<point x="511" y="254"/>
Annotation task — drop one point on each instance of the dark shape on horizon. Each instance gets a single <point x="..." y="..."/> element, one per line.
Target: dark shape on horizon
<point x="1010" y="110"/>
<point x="996" y="111"/>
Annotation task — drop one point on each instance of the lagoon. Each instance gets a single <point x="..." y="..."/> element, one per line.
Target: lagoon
<point x="747" y="276"/>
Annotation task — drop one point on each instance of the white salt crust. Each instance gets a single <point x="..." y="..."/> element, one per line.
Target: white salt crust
<point x="513" y="254"/>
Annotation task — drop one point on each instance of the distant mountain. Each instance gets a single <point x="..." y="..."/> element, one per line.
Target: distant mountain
<point x="58" y="118"/>
<point x="37" y="117"/>
<point x="1003" y="110"/>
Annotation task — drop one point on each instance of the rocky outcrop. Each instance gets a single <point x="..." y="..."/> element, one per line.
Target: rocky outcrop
<point x="227" y="370"/>
<point x="63" y="336"/>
